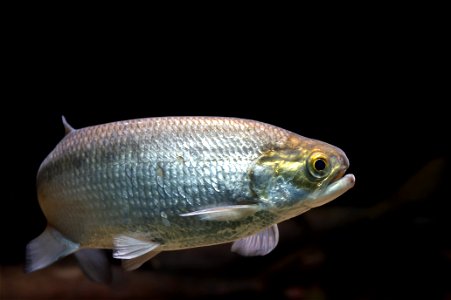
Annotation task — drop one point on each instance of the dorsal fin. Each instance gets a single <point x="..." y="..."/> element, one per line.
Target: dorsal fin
<point x="67" y="127"/>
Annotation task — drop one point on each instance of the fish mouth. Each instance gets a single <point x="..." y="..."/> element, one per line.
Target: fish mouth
<point x="341" y="185"/>
<point x="337" y="188"/>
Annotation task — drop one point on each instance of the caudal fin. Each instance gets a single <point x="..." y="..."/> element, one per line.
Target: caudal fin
<point x="47" y="248"/>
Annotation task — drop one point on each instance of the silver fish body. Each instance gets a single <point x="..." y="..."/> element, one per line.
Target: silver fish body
<point x="141" y="175"/>
<point x="179" y="182"/>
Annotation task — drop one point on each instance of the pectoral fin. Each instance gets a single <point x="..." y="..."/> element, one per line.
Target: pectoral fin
<point x="126" y="247"/>
<point x="224" y="213"/>
<point x="258" y="244"/>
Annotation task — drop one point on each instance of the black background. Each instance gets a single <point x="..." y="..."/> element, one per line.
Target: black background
<point x="378" y="94"/>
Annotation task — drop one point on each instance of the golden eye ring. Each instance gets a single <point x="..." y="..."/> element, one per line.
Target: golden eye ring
<point x="318" y="165"/>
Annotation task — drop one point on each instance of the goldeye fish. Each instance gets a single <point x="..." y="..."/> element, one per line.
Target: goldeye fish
<point x="145" y="186"/>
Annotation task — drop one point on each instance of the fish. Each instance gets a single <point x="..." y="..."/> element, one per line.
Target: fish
<point x="144" y="186"/>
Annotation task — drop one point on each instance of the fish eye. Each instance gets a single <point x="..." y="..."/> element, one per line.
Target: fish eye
<point x="318" y="165"/>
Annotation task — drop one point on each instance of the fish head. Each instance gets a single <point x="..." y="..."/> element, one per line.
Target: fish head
<point x="300" y="175"/>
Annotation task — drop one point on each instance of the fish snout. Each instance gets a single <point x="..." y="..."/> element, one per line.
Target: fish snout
<point x="349" y="179"/>
<point x="344" y="161"/>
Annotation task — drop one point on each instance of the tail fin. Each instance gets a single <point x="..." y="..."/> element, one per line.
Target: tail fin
<point x="47" y="248"/>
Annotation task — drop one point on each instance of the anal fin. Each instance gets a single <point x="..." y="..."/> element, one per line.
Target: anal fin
<point x="95" y="265"/>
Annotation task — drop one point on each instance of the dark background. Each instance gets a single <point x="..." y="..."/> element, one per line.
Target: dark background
<point x="378" y="94"/>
